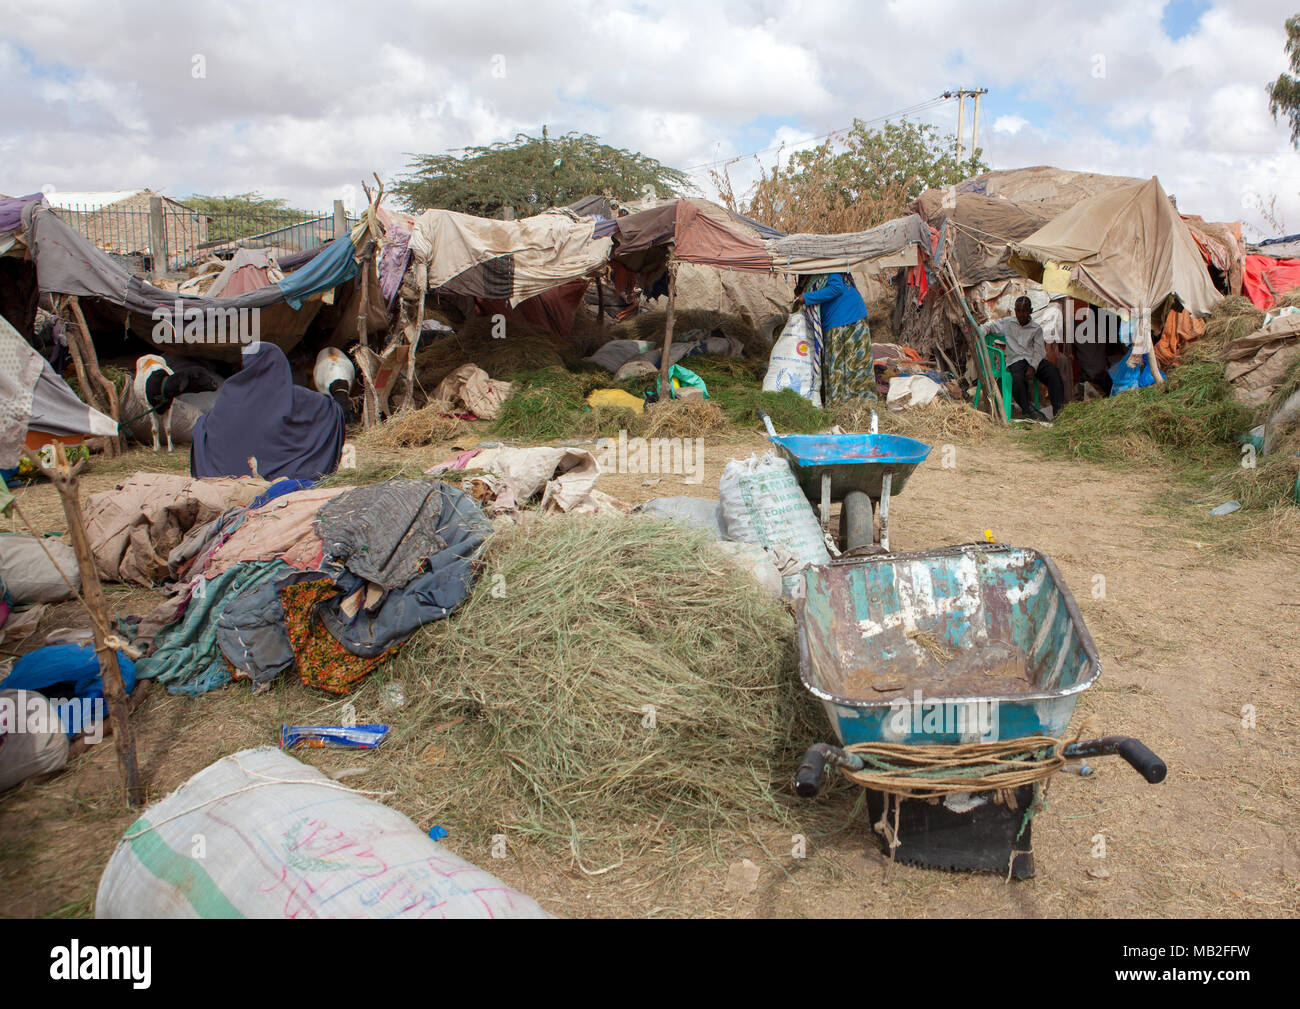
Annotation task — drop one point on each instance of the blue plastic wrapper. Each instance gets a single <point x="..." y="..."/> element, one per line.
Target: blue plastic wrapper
<point x="365" y="737"/>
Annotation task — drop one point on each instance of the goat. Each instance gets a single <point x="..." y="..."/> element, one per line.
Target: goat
<point x="334" y="375"/>
<point x="157" y="386"/>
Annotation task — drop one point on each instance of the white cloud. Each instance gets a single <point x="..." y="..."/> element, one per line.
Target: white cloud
<point x="302" y="102"/>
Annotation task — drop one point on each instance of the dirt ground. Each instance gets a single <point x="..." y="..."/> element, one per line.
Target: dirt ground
<point x="1194" y="618"/>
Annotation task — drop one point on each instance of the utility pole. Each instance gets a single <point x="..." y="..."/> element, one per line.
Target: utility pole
<point x="961" y="97"/>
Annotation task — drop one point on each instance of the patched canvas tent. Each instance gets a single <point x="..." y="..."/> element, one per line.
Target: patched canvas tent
<point x="36" y="405"/>
<point x="1127" y="250"/>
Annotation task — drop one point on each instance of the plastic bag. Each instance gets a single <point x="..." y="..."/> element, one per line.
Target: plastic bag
<point x="795" y="363"/>
<point x="684" y="378"/>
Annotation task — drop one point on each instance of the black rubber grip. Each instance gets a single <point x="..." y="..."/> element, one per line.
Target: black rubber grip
<point x="808" y="779"/>
<point x="1143" y="760"/>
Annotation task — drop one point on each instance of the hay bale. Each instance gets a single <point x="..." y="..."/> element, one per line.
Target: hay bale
<point x="433" y="422"/>
<point x="630" y="686"/>
<point x="677" y="418"/>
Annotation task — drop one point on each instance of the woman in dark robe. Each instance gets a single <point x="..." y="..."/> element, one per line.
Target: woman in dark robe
<point x="291" y="431"/>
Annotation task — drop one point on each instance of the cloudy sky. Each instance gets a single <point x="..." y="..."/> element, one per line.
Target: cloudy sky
<point x="303" y="101"/>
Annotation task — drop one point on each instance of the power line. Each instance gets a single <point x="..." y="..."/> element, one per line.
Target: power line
<point x="910" y="110"/>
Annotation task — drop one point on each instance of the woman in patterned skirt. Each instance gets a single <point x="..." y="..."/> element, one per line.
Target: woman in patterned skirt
<point x="847" y="367"/>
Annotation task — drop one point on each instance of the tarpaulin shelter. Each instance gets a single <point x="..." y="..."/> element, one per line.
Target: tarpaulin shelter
<point x="1042" y="189"/>
<point x="512" y="260"/>
<point x="36" y="405"/>
<point x="1128" y="250"/>
<point x="67" y="263"/>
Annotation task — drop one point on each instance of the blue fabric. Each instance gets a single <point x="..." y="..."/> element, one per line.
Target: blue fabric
<point x="186" y="655"/>
<point x="331" y="268"/>
<point x="66" y="671"/>
<point x="841" y="304"/>
<point x="279" y="489"/>
<point x="293" y="432"/>
<point x="1123" y="378"/>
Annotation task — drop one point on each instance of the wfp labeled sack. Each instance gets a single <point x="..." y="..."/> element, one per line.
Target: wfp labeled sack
<point x="762" y="504"/>
<point x="795" y="362"/>
<point x="259" y="834"/>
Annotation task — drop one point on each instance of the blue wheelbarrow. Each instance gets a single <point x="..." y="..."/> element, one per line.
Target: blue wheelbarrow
<point x="859" y="471"/>
<point x="979" y="643"/>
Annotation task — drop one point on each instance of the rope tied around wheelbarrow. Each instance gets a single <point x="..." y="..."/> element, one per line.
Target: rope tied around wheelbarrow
<point x="934" y="771"/>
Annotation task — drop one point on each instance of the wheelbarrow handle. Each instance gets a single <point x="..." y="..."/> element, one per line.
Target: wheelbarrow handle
<point x="808" y="778"/>
<point x="1134" y="751"/>
<point x="767" y="422"/>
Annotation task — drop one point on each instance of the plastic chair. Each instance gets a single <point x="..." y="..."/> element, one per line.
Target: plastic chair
<point x="998" y="358"/>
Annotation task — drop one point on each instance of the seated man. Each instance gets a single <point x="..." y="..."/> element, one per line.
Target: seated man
<point x="1027" y="359"/>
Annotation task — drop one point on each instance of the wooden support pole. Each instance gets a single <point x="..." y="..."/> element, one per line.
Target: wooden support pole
<point x="362" y="322"/>
<point x="600" y="305"/>
<point x="64" y="478"/>
<point x="665" y="384"/>
<point x="95" y="386"/>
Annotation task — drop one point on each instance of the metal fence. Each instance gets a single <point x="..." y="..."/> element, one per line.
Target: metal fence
<point x="188" y="237"/>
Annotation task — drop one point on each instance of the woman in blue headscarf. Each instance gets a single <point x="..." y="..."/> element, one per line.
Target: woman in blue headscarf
<point x="291" y="431"/>
<point x="847" y="367"/>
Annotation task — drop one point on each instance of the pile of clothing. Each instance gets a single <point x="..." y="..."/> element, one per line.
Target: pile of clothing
<point x="327" y="580"/>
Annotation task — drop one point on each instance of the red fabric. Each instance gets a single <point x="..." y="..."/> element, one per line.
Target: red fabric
<point x="553" y="310"/>
<point x="1264" y="278"/>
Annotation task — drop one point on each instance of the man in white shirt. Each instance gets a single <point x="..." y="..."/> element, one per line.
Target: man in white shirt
<point x="1027" y="359"/>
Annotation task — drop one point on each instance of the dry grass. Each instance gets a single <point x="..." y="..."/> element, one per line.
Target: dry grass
<point x="523" y="348"/>
<point x="433" y="422"/>
<point x="943" y="420"/>
<point x="629" y="691"/>
<point x="677" y="418"/>
<point x="1232" y="318"/>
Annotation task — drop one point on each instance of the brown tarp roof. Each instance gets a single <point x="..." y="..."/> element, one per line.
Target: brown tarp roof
<point x="1128" y="246"/>
<point x="975" y="231"/>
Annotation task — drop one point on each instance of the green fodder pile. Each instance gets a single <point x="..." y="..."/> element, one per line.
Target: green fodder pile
<point x="433" y="422"/>
<point x="612" y="684"/>
<point x="1191" y="420"/>
<point x="736" y="388"/>
<point x="942" y="420"/>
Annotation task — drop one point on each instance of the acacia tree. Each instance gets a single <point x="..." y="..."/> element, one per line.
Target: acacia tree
<point x="868" y="178"/>
<point x="1284" y="93"/>
<point x="531" y="174"/>
<point x="244" y="214"/>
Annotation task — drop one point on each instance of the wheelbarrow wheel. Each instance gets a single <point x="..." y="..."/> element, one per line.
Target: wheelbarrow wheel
<point x="857" y="523"/>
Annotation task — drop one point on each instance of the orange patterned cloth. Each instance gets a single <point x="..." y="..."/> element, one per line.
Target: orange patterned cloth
<point x="321" y="660"/>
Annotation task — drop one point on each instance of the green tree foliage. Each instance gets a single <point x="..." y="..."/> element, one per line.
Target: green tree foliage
<point x="531" y="174"/>
<point x="864" y="180"/>
<point x="245" y="214"/>
<point x="1284" y="93"/>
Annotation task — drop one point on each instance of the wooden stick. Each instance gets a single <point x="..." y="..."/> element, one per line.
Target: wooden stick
<point x="665" y="385"/>
<point x="600" y="305"/>
<point x="983" y="364"/>
<point x="64" y="479"/>
<point x="91" y="364"/>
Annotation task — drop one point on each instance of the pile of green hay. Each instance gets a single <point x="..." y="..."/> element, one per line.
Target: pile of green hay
<point x="612" y="683"/>
<point x="1190" y="420"/>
